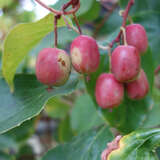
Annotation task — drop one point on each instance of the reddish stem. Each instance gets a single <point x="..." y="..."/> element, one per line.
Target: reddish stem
<point x="125" y="16"/>
<point x="55" y="30"/>
<point x="77" y="23"/>
<point x="74" y="3"/>
<point x="75" y="6"/>
<point x="56" y="12"/>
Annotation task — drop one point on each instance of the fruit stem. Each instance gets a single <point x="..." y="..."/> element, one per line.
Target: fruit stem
<point x="56" y="17"/>
<point x="125" y="16"/>
<point x="74" y="3"/>
<point x="124" y="35"/>
<point x="77" y="23"/>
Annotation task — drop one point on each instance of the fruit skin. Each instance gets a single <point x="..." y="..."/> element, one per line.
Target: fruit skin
<point x="125" y="63"/>
<point x="109" y="92"/>
<point x="136" y="36"/>
<point x="53" y="66"/>
<point x="139" y="88"/>
<point x="85" y="54"/>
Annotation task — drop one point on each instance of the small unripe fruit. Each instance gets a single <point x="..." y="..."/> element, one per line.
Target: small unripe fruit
<point x="136" y="36"/>
<point x="85" y="54"/>
<point x="109" y="92"/>
<point x="53" y="66"/>
<point x="139" y="88"/>
<point x="125" y="63"/>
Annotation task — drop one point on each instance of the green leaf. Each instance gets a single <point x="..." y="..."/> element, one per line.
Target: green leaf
<point x="5" y="156"/>
<point x="144" y="5"/>
<point x="28" y="100"/>
<point x="4" y="3"/>
<point x="26" y="151"/>
<point x="7" y="143"/>
<point x="92" y="13"/>
<point x="129" y="116"/>
<point x="87" y="146"/>
<point x="84" y="115"/>
<point x="20" y="40"/>
<point x="153" y="118"/>
<point x="65" y="132"/>
<point x="137" y="145"/>
<point x="23" y="132"/>
<point x="56" y="108"/>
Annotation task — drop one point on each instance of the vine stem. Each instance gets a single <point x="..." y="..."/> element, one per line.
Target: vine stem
<point x="56" y="12"/>
<point x="125" y="16"/>
<point x="57" y="15"/>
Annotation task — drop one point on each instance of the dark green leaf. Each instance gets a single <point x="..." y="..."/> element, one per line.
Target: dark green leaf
<point x="144" y="5"/>
<point x="84" y="115"/>
<point x="7" y="143"/>
<point x="23" y="132"/>
<point x="28" y="99"/>
<point x="65" y="132"/>
<point x="87" y="146"/>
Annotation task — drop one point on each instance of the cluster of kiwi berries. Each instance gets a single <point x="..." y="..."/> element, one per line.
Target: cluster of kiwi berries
<point x="53" y="66"/>
<point x="126" y="71"/>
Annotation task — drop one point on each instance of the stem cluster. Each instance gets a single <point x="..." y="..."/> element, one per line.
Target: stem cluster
<point x="57" y="15"/>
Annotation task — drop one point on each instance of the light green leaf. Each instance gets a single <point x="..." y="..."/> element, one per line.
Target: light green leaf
<point x="23" y="132"/>
<point x="4" y="3"/>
